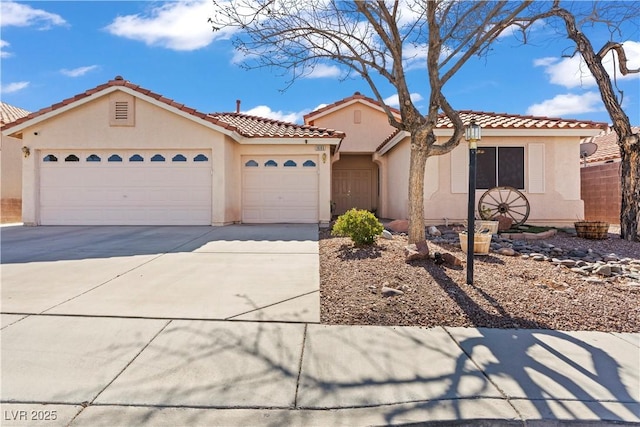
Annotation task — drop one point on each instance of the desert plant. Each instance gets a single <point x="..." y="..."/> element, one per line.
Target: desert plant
<point x="360" y="225"/>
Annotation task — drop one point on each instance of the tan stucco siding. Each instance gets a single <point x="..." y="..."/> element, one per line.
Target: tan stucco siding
<point x="88" y="126"/>
<point x="398" y="181"/>
<point x="363" y="137"/>
<point x="11" y="175"/>
<point x="11" y="179"/>
<point x="446" y="180"/>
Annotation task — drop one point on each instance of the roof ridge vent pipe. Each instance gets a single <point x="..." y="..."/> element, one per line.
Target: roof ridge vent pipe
<point x="238" y="101"/>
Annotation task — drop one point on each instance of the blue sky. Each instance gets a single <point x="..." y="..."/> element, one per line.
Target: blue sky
<point x="52" y="50"/>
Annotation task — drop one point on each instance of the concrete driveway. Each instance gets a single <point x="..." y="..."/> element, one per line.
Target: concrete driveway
<point x="238" y="272"/>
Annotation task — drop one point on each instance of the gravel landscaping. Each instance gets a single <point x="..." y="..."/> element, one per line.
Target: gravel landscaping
<point x="562" y="282"/>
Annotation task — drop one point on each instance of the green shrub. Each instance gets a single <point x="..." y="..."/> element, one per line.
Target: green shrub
<point x="360" y="225"/>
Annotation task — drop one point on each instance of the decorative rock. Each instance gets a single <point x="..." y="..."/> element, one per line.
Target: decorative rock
<point x="389" y="292"/>
<point x="451" y="260"/>
<point x="506" y="251"/>
<point x="616" y="269"/>
<point x="399" y="225"/>
<point x="568" y="263"/>
<point x="603" y="270"/>
<point x="387" y="235"/>
<point x="580" y="271"/>
<point x="610" y="257"/>
<point x="433" y="231"/>
<point x="504" y="222"/>
<point x="577" y="253"/>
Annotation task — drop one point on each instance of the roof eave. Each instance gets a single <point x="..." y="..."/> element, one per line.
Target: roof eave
<point x="399" y="137"/>
<point x="20" y="127"/>
<point x="284" y="140"/>
<point x="332" y="109"/>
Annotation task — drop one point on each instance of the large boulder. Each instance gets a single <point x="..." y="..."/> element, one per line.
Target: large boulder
<point x="399" y="225"/>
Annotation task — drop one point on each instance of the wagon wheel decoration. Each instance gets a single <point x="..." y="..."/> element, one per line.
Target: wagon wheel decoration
<point x="506" y="201"/>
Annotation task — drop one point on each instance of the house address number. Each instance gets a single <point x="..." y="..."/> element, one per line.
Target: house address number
<point x="321" y="147"/>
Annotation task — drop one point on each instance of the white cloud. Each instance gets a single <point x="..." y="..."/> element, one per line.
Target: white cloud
<point x="77" y="72"/>
<point x="393" y="101"/>
<point x="13" y="87"/>
<point x="267" y="112"/>
<point x="322" y="71"/>
<point x="573" y="72"/>
<point x="178" y="25"/>
<point x="567" y="105"/>
<point x="4" y="53"/>
<point x="22" y="15"/>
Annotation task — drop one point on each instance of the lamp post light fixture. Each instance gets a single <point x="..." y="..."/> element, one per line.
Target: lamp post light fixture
<point x="472" y="135"/>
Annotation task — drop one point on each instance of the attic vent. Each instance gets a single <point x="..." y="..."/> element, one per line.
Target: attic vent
<point x="121" y="110"/>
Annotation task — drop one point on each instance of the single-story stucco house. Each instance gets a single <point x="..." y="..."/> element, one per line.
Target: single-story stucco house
<point x="539" y="156"/>
<point x="10" y="166"/>
<point x="121" y="154"/>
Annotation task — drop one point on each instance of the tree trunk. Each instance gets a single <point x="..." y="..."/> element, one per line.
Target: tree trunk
<point x="416" y="191"/>
<point x="627" y="141"/>
<point x="630" y="206"/>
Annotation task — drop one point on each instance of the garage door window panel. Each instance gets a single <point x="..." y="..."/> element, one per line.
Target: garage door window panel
<point x="251" y="164"/>
<point x="94" y="158"/>
<point x="158" y="158"/>
<point x="271" y="164"/>
<point x="200" y="158"/>
<point x="72" y="158"/>
<point x="114" y="158"/>
<point x="50" y="158"/>
<point x="136" y="158"/>
<point x="309" y="164"/>
<point x="179" y="158"/>
<point x="290" y="164"/>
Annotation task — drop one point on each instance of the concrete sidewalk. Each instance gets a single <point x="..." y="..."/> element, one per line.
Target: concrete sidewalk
<point x="94" y="371"/>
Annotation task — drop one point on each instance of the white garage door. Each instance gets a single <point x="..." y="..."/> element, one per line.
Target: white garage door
<point x="125" y="187"/>
<point x="279" y="189"/>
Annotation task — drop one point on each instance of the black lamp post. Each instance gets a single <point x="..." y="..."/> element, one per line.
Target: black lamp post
<point x="472" y="135"/>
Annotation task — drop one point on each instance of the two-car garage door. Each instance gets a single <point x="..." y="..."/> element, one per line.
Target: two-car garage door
<point x="125" y="187"/>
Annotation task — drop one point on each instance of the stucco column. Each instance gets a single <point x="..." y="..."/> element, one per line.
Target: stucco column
<point x="30" y="188"/>
<point x="324" y="190"/>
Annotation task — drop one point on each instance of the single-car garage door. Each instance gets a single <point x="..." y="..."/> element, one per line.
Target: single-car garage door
<point x="126" y="187"/>
<point x="279" y="189"/>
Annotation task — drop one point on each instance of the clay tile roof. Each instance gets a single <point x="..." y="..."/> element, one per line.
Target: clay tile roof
<point x="252" y="126"/>
<point x="346" y="100"/>
<point x="9" y="113"/>
<point x="515" y="121"/>
<point x="244" y="125"/>
<point x="607" y="143"/>
<point x="509" y="121"/>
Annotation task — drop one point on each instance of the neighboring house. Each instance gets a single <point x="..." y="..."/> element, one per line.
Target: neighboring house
<point x="121" y="154"/>
<point x="600" y="177"/>
<point x="10" y="167"/>
<point x="538" y="155"/>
